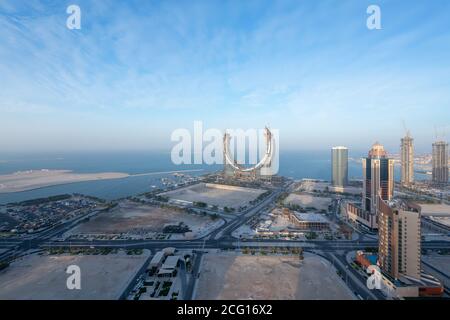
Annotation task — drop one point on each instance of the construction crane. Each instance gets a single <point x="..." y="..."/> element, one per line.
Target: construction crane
<point x="406" y="129"/>
<point x="443" y="132"/>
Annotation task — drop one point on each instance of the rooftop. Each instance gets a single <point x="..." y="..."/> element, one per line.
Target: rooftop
<point x="311" y="217"/>
<point x="404" y="205"/>
<point x="340" y="148"/>
<point x="171" y="262"/>
<point x="157" y="258"/>
<point x="377" y="151"/>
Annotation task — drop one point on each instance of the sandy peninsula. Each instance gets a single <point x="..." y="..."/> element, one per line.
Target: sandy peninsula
<point x="33" y="179"/>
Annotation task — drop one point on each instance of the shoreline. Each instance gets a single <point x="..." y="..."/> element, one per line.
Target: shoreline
<point x="79" y="177"/>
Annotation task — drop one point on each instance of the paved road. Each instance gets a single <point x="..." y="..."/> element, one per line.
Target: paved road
<point x="241" y="219"/>
<point x="357" y="279"/>
<point x="188" y="295"/>
<point x="354" y="283"/>
<point x="436" y="226"/>
<point x="444" y="277"/>
<point x="223" y="243"/>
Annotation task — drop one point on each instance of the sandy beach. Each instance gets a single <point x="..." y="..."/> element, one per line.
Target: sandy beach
<point x="33" y="179"/>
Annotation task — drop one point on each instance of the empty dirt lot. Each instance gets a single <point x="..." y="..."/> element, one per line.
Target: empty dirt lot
<point x="215" y="194"/>
<point x="129" y="216"/>
<point x="437" y="210"/>
<point x="306" y="200"/>
<point x="232" y="276"/>
<point x="44" y="277"/>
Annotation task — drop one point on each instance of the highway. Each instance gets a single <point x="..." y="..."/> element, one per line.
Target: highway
<point x="223" y="243"/>
<point x="353" y="280"/>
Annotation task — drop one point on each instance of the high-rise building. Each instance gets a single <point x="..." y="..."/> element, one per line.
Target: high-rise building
<point x="378" y="179"/>
<point x="407" y="160"/>
<point x="440" y="162"/>
<point x="399" y="238"/>
<point x="339" y="166"/>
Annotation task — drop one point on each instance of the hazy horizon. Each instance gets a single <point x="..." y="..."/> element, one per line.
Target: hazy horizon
<point x="53" y="154"/>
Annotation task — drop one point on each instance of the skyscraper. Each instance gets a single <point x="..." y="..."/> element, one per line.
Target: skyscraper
<point x="407" y="160"/>
<point x="339" y="166"/>
<point x="399" y="238"/>
<point x="440" y="162"/>
<point x="378" y="179"/>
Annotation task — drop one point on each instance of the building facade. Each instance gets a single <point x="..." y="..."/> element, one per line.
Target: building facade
<point x="399" y="239"/>
<point x="309" y="221"/>
<point x="339" y="166"/>
<point x="356" y="214"/>
<point x="378" y="179"/>
<point x="440" y="163"/>
<point x="407" y="160"/>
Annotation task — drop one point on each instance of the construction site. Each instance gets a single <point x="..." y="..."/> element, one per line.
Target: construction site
<point x="215" y="195"/>
<point x="131" y="220"/>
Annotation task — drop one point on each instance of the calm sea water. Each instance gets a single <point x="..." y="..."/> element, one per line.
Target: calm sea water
<point x="297" y="165"/>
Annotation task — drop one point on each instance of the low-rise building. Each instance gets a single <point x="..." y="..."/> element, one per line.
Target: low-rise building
<point x="362" y="217"/>
<point x="365" y="260"/>
<point x="171" y="262"/>
<point x="157" y="260"/>
<point x="407" y="287"/>
<point x="404" y="286"/>
<point x="309" y="221"/>
<point x="169" y="266"/>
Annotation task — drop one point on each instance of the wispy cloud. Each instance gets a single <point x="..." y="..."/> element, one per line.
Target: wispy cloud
<point x="229" y="63"/>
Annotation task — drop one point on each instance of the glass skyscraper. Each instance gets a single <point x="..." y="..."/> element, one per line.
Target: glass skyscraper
<point x="407" y="160"/>
<point x="440" y="162"/>
<point x="378" y="176"/>
<point x="339" y="166"/>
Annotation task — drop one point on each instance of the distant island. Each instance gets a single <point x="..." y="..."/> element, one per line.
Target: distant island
<point x="34" y="179"/>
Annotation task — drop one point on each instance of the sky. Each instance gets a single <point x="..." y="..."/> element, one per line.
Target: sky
<point x="138" y="70"/>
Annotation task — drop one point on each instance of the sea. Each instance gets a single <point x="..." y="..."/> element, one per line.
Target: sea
<point x="147" y="169"/>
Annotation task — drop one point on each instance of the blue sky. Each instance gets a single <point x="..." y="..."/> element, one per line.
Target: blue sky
<point x="137" y="70"/>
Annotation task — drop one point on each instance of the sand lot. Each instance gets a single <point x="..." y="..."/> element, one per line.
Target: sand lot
<point x="130" y="217"/>
<point x="442" y="210"/>
<point x="306" y="200"/>
<point x="215" y="194"/>
<point x="33" y="179"/>
<point x="311" y="185"/>
<point x="231" y="276"/>
<point x="44" y="277"/>
<point x="442" y="220"/>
